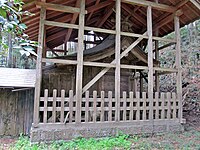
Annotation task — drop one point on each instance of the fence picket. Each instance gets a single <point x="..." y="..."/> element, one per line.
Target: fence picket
<point x="94" y="106"/>
<point x="110" y="106"/>
<point x="124" y="106"/>
<point x="131" y="105"/>
<point x="174" y="105"/>
<point x="62" y="106"/>
<point x="138" y="106"/>
<point x="157" y="105"/>
<point x="163" y="106"/>
<point x="71" y="99"/>
<point x="168" y="105"/>
<point x="87" y="106"/>
<point x="144" y="98"/>
<point x="45" y="105"/>
<point x="102" y="105"/>
<point x="54" y="105"/>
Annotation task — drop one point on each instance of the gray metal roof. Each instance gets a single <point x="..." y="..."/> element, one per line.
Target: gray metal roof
<point x="14" y="77"/>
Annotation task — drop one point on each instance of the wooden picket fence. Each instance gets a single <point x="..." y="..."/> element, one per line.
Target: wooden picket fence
<point x="98" y="108"/>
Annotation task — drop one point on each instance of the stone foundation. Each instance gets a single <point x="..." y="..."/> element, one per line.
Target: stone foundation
<point x="51" y="132"/>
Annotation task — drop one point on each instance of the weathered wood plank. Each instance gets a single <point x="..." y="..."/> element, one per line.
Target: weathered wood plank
<point x="54" y="106"/>
<point x="178" y="65"/>
<point x="45" y="105"/>
<point x="168" y="105"/>
<point x="57" y="7"/>
<point x="39" y="67"/>
<point x="110" y="106"/>
<point x="174" y="105"/>
<point x="131" y="105"/>
<point x="144" y="98"/>
<point x="157" y="105"/>
<point x="117" y="58"/>
<point x="138" y="106"/>
<point x="146" y="3"/>
<point x="124" y="105"/>
<point x="163" y="106"/>
<point x="94" y="106"/>
<point x="71" y="99"/>
<point x="79" y="71"/>
<point x="62" y="106"/>
<point x="150" y="60"/>
<point x="102" y="106"/>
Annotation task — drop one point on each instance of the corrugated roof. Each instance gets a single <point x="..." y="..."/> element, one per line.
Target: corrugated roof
<point x="13" y="77"/>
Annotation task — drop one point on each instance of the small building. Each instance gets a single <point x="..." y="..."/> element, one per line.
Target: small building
<point x="98" y="66"/>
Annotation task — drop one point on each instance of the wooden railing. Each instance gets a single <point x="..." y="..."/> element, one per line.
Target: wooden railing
<point x="99" y="108"/>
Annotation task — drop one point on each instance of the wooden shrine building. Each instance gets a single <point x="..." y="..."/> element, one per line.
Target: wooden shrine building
<point x="96" y="87"/>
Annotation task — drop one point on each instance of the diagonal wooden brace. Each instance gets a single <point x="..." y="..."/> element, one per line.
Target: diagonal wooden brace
<point x="100" y="74"/>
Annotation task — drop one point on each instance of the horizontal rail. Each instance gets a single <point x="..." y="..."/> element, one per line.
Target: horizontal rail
<point x="74" y="26"/>
<point x="57" y="7"/>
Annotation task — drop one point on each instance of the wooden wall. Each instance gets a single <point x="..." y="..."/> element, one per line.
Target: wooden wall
<point x="16" y="112"/>
<point x="63" y="77"/>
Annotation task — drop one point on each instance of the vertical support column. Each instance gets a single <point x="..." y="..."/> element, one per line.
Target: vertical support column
<point x="150" y="60"/>
<point x="178" y="65"/>
<point x="79" y="71"/>
<point x="117" y="57"/>
<point x="157" y="58"/>
<point x="141" y="84"/>
<point x="39" y="67"/>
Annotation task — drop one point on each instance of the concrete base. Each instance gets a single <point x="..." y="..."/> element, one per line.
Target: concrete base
<point x="51" y="132"/>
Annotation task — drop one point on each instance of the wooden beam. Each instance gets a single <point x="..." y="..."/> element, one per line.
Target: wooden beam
<point x="79" y="70"/>
<point x="91" y="13"/>
<point x="195" y="3"/>
<point x="150" y="60"/>
<point x="99" y="6"/>
<point x="178" y="66"/>
<point x="57" y="7"/>
<point x="100" y="74"/>
<point x="133" y="13"/>
<point x="67" y="25"/>
<point x="39" y="67"/>
<point x="166" y="20"/>
<point x="104" y="18"/>
<point x="164" y="46"/>
<point x="60" y="61"/>
<point x="154" y="5"/>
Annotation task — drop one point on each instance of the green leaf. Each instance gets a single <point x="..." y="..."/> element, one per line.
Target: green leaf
<point x="28" y="48"/>
<point x="17" y="47"/>
<point x="23" y="52"/>
<point x="3" y="12"/>
<point x="22" y="26"/>
<point x="33" y="53"/>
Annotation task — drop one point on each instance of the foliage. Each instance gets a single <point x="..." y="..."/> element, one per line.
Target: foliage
<point x="107" y="143"/>
<point x="10" y="23"/>
<point x="168" y="141"/>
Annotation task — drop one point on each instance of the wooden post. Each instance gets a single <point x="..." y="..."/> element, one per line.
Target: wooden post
<point x="150" y="61"/>
<point x="141" y="84"/>
<point x="157" y="58"/>
<point x="39" y="67"/>
<point x="178" y="65"/>
<point x="79" y="71"/>
<point x="117" y="57"/>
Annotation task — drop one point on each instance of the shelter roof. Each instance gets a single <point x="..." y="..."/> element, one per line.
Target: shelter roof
<point x="101" y="13"/>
